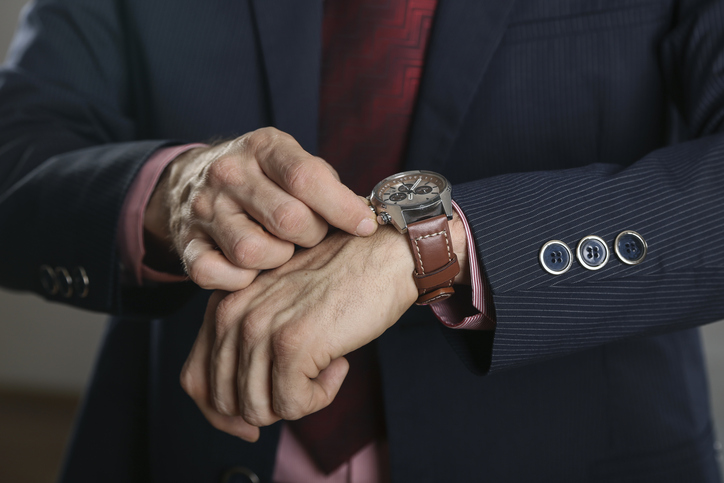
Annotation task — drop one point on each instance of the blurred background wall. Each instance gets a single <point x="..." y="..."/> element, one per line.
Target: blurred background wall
<point x="49" y="349"/>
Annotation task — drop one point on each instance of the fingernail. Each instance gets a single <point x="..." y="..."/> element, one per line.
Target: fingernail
<point x="366" y="227"/>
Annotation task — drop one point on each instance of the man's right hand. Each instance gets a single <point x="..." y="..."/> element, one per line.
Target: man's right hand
<point x="231" y="210"/>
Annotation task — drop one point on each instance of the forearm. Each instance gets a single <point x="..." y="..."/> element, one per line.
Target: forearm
<point x="74" y="202"/>
<point x="670" y="197"/>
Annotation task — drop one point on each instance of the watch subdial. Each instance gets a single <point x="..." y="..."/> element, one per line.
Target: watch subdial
<point x="398" y="196"/>
<point x="405" y="188"/>
<point x="423" y="190"/>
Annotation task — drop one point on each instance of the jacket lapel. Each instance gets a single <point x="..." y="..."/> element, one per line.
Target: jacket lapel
<point x="465" y="35"/>
<point x="290" y="39"/>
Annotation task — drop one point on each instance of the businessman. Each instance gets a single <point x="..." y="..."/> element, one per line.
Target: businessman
<point x="583" y="144"/>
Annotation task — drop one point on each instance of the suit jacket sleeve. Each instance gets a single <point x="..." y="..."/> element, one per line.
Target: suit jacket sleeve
<point x="68" y="154"/>
<point x="673" y="197"/>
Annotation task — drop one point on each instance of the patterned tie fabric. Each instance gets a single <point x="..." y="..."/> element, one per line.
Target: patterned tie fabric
<point x="372" y="63"/>
<point x="372" y="60"/>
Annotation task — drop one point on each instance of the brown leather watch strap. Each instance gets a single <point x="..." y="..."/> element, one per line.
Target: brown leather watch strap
<point x="435" y="262"/>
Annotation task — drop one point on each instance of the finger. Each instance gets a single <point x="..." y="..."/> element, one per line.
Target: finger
<point x="255" y="390"/>
<point x="210" y="269"/>
<point x="194" y="374"/>
<point x="233" y="425"/>
<point x="195" y="378"/>
<point x="224" y="358"/>
<point x="278" y="211"/>
<point x="308" y="179"/>
<point x="245" y="243"/>
<point x="331" y="169"/>
<point x="296" y="395"/>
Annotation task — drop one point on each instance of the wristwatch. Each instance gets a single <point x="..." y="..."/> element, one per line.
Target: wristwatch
<point x="419" y="203"/>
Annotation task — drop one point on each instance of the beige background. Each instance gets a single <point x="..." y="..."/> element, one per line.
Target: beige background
<point x="50" y="347"/>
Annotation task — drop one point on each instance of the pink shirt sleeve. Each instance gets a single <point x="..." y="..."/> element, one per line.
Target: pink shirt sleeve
<point x="471" y="307"/>
<point x="130" y="229"/>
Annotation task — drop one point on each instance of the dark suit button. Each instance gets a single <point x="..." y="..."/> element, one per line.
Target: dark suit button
<point x="48" y="280"/>
<point x="81" y="282"/>
<point x="65" y="282"/>
<point x="630" y="247"/>
<point x="592" y="252"/>
<point x="555" y="257"/>
<point x="239" y="474"/>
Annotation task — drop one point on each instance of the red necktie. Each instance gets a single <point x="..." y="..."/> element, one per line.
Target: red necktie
<point x="372" y="59"/>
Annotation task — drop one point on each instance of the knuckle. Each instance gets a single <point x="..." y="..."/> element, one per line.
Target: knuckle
<point x="222" y="407"/>
<point x="262" y="139"/>
<point x="291" y="218"/>
<point x="298" y="176"/>
<point x="200" y="273"/>
<point x="288" y="411"/>
<point x="285" y="343"/>
<point x="188" y="384"/>
<point x="291" y="408"/>
<point x="224" y="317"/>
<point x="224" y="171"/>
<point x="248" y="251"/>
<point x="251" y="331"/>
<point x="254" y="416"/>
<point x="200" y="207"/>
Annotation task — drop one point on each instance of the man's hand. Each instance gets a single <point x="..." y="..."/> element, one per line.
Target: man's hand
<point x="231" y="210"/>
<point x="275" y="350"/>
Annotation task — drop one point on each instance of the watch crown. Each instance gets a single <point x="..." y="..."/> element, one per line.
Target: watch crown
<point x="384" y="218"/>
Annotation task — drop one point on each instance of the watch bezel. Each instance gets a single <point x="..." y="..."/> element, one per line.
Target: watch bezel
<point x="401" y="216"/>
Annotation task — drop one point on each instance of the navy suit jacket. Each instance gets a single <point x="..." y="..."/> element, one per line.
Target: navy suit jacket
<point x="554" y="119"/>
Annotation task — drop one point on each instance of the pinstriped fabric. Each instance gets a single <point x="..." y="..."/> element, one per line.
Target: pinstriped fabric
<point x="698" y="54"/>
<point x="568" y="23"/>
<point x="672" y="197"/>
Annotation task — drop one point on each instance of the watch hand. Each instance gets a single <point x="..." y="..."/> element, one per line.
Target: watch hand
<point x="411" y="191"/>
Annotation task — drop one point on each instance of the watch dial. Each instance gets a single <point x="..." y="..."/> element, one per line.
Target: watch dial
<point x="411" y="188"/>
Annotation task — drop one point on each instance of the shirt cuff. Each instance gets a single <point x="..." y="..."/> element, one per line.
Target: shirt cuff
<point x="471" y="307"/>
<point x="130" y="229"/>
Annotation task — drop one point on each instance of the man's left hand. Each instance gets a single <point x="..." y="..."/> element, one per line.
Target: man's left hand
<point x="275" y="349"/>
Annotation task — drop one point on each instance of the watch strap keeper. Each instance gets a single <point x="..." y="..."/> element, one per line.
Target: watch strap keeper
<point x="441" y="276"/>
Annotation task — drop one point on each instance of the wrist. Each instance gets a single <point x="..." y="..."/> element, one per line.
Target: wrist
<point x="395" y="248"/>
<point x="160" y="253"/>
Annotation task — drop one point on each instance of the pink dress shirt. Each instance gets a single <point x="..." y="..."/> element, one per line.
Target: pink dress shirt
<point x="293" y="465"/>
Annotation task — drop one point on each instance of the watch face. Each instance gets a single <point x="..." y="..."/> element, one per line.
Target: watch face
<point x="410" y="197"/>
<point x="411" y="188"/>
